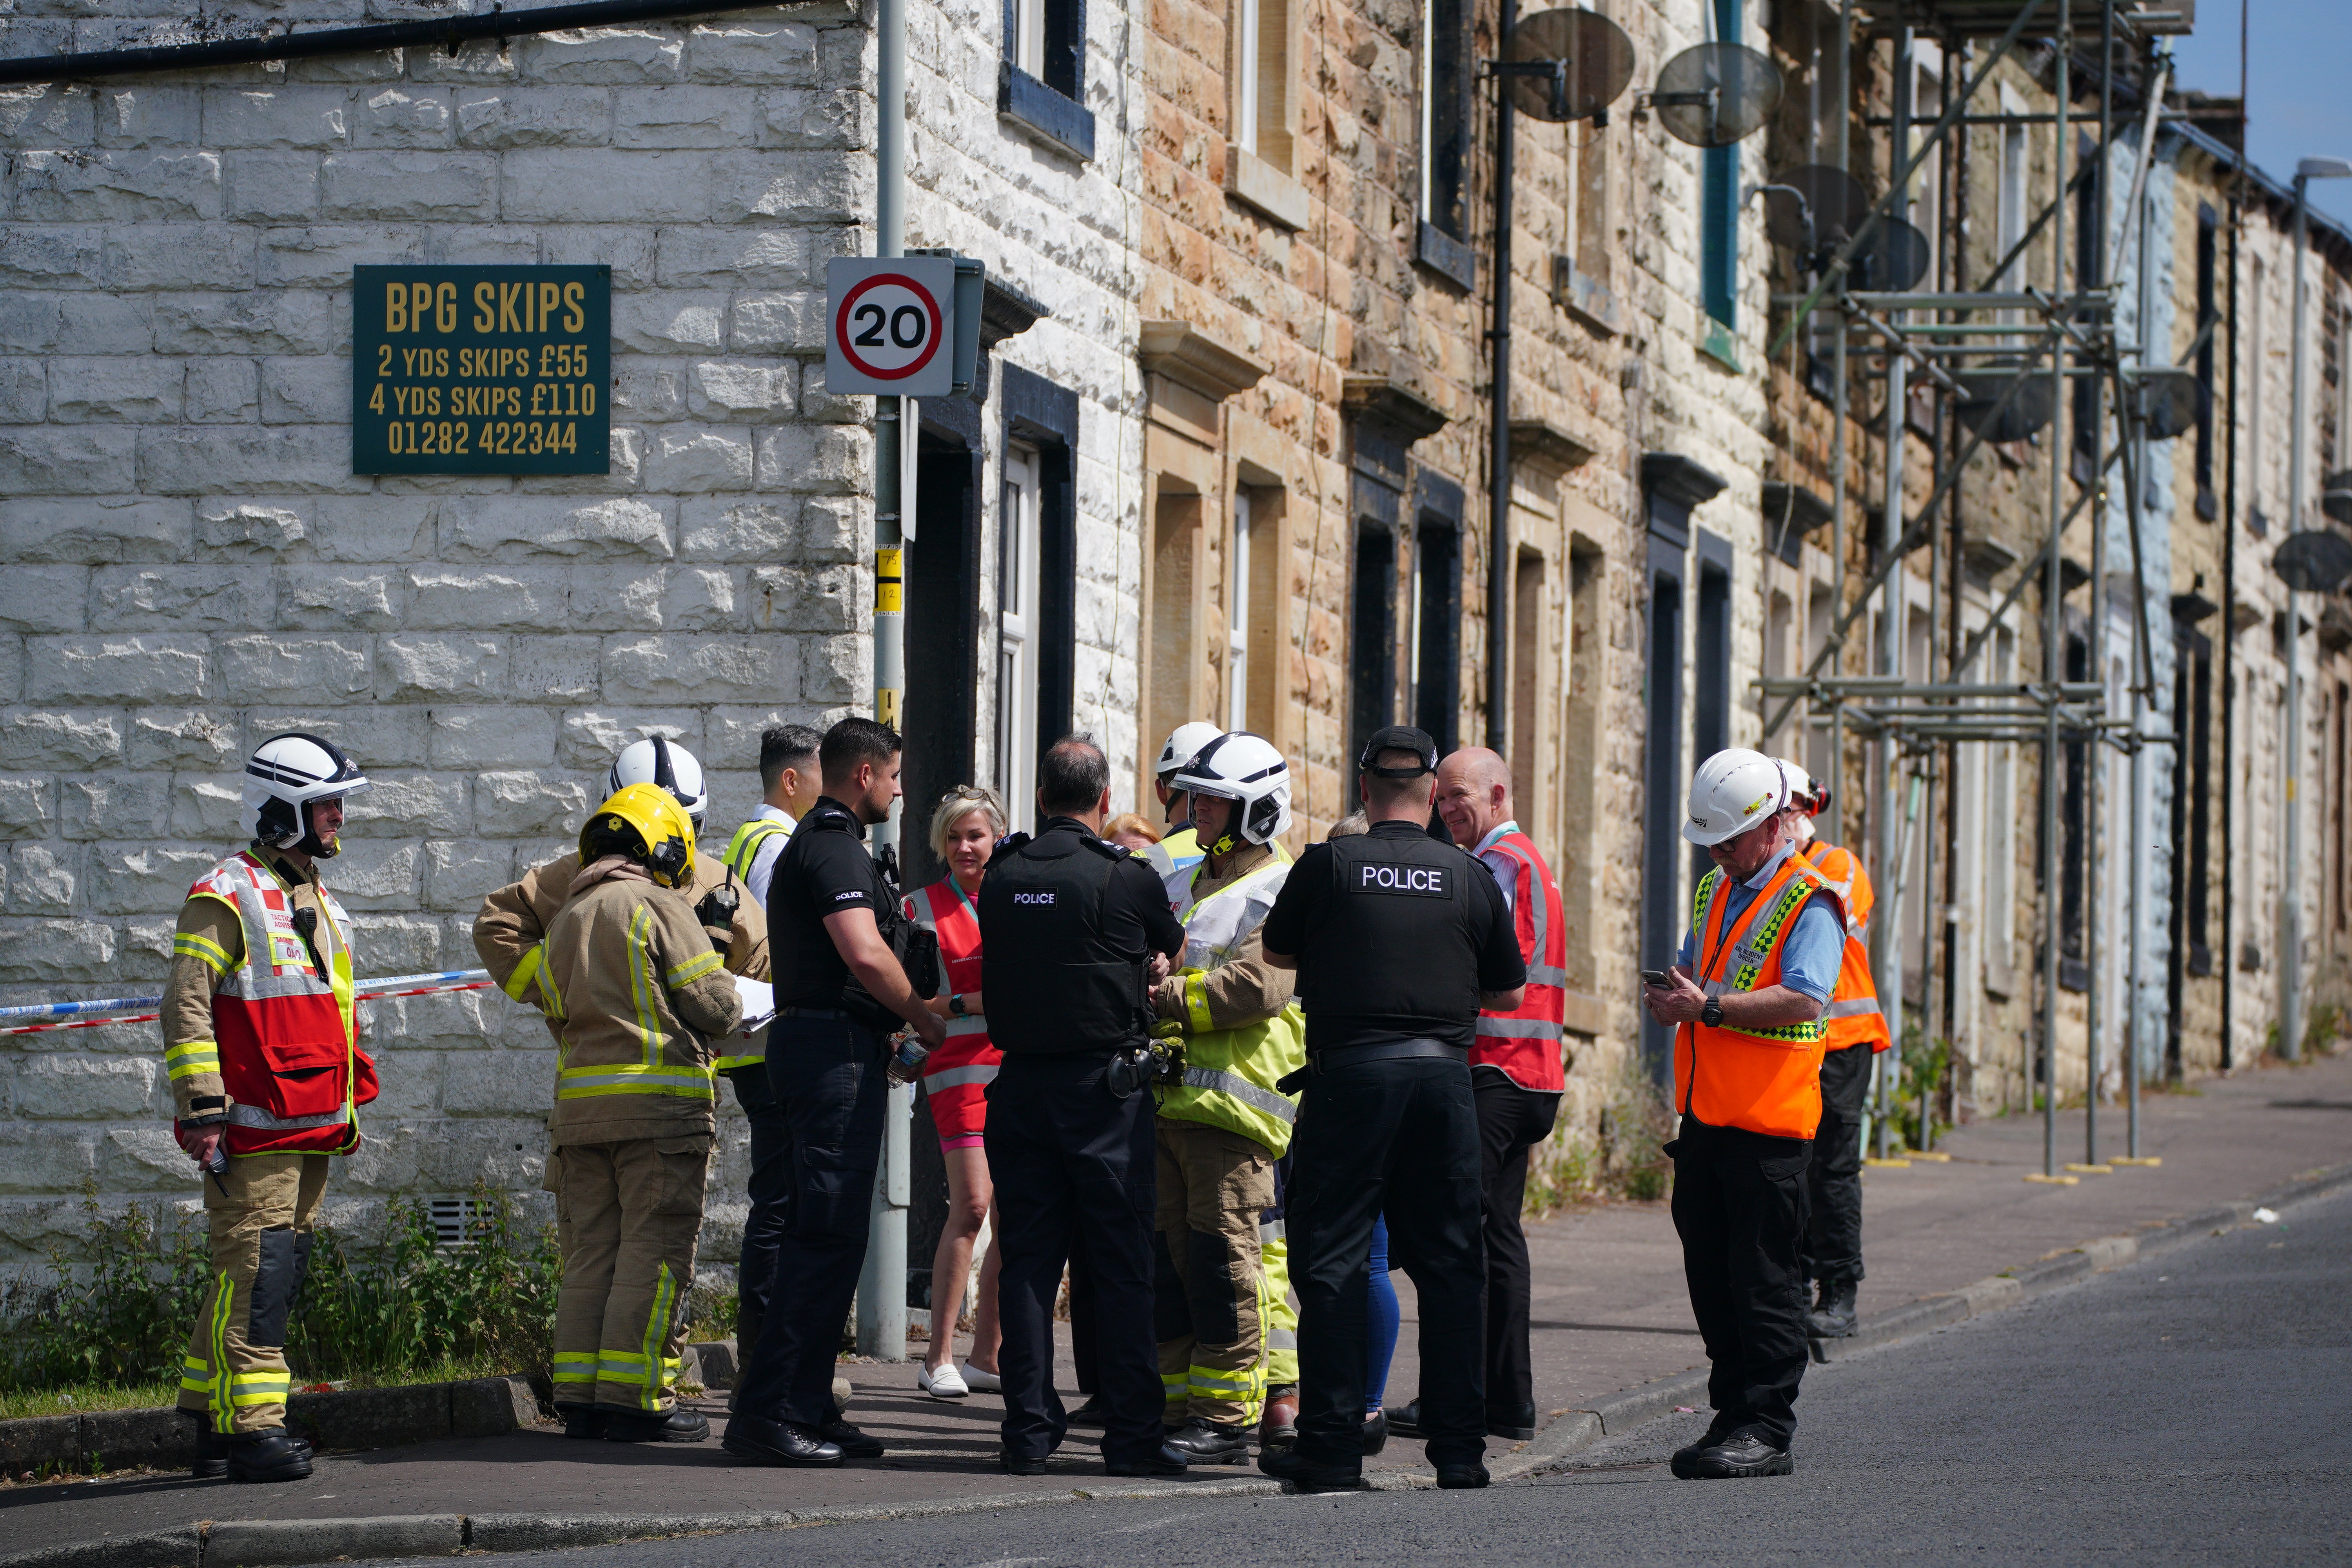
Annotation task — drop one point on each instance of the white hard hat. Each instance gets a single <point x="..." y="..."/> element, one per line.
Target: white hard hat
<point x="1183" y="745"/>
<point x="1732" y="791"/>
<point x="663" y="762"/>
<point x="284" y="775"/>
<point x="1246" y="769"/>
<point x="1806" y="793"/>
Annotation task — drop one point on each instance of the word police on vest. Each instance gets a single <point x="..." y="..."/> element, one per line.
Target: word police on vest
<point x="1425" y="881"/>
<point x="851" y="895"/>
<point x="1044" y="896"/>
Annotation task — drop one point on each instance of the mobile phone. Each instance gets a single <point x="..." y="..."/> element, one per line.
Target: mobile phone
<point x="1657" y="977"/>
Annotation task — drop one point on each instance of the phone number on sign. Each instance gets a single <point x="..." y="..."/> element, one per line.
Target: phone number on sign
<point x="496" y="438"/>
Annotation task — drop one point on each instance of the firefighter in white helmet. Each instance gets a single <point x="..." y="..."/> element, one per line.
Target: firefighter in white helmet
<point x="1179" y="849"/>
<point x="1223" y="1127"/>
<point x="1745" y="1000"/>
<point x="261" y="1044"/>
<point x="1832" y="1249"/>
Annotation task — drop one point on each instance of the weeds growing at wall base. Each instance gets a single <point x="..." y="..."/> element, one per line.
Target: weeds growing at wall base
<point x="110" y="1315"/>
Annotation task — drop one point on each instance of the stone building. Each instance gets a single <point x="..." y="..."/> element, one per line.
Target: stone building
<point x="193" y="565"/>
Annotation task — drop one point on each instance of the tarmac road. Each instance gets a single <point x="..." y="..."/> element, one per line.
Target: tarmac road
<point x="2195" y="1409"/>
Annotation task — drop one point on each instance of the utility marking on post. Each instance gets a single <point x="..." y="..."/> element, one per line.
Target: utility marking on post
<point x="888" y="580"/>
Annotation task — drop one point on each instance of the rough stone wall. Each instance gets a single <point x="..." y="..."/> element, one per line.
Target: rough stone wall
<point x="1063" y="231"/>
<point x="193" y="565"/>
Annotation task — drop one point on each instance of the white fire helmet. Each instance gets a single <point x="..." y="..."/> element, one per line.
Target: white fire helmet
<point x="1248" y="770"/>
<point x="1806" y="793"/>
<point x="665" y="765"/>
<point x="1183" y="745"/>
<point x="1732" y="792"/>
<point x="285" y="774"/>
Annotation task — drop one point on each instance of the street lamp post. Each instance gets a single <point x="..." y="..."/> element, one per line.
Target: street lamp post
<point x="2290" y="917"/>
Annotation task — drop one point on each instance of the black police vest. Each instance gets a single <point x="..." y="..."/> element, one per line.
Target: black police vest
<point x="1051" y="980"/>
<point x="1395" y="953"/>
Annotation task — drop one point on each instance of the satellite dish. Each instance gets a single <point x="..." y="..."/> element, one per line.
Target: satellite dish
<point x="2169" y="400"/>
<point x="2314" y="561"/>
<point x="1812" y="208"/>
<point x="1981" y="390"/>
<point x="1714" y="94"/>
<point x="1893" y="257"/>
<point x="1595" y="55"/>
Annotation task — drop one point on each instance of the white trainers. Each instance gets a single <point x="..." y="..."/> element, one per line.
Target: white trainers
<point x="980" y="1382"/>
<point x="944" y="1384"/>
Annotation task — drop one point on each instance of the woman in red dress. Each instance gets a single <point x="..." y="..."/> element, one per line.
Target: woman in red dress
<point x="964" y="830"/>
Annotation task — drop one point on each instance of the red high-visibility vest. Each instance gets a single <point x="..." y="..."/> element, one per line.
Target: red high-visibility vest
<point x="286" y="1034"/>
<point x="1854" y="1017"/>
<point x="1525" y="1044"/>
<point x="957" y="1075"/>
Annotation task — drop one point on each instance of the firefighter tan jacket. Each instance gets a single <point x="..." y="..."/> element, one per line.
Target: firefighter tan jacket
<point x="513" y="919"/>
<point x="208" y="946"/>
<point x="638" y="997"/>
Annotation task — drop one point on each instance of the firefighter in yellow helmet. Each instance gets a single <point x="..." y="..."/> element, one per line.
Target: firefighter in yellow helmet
<point x="641" y="1001"/>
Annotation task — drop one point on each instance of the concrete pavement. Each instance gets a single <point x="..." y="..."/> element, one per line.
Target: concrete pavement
<point x="1610" y="1310"/>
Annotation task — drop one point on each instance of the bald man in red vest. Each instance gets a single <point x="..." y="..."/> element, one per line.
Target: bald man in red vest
<point x="1515" y="1069"/>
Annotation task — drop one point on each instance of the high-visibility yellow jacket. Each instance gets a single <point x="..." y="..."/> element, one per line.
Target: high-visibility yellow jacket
<point x="637" y="995"/>
<point x="1244" y="1029"/>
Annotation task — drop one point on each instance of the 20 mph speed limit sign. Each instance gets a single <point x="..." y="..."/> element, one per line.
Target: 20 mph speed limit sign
<point x="891" y="325"/>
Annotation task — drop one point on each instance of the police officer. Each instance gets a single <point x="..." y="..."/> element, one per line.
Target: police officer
<point x="1746" y="997"/>
<point x="1073" y="932"/>
<point x="1398" y="940"/>
<point x="840" y="989"/>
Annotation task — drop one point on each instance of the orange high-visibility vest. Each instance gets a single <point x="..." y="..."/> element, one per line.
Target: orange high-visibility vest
<point x="1765" y="1081"/>
<point x="1854" y="1017"/>
<point x="1525" y="1044"/>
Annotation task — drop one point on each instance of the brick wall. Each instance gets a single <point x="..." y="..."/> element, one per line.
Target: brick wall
<point x="193" y="565"/>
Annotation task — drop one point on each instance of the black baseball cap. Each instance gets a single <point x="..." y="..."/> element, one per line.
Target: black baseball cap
<point x="1399" y="738"/>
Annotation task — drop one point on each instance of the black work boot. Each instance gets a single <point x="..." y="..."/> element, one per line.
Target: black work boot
<point x="1376" y="1432"/>
<point x="267" y="1456"/>
<point x="1745" y="1454"/>
<point x="1089" y="1413"/>
<point x="1685" y="1463"/>
<point x="1210" y="1443"/>
<point x="212" y="1455"/>
<point x="854" y="1442"/>
<point x="1832" y="1315"/>
<point x="1404" y="1420"/>
<point x="1307" y="1475"/>
<point x="676" y="1425"/>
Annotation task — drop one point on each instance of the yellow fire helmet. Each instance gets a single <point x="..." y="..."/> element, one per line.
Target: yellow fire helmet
<point x="644" y="823"/>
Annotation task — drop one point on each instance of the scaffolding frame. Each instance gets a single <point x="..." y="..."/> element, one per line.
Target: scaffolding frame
<point x="2063" y="331"/>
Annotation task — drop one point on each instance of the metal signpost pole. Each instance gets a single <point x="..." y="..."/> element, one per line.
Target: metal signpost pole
<point x="882" y="1287"/>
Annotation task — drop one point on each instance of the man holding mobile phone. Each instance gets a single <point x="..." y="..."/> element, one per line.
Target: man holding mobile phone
<point x="1747" y="996"/>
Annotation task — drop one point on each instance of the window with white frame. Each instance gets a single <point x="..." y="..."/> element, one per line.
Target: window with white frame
<point x="1017" y="635"/>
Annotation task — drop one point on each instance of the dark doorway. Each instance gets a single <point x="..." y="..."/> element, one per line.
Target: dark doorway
<point x="1371" y="654"/>
<point x="942" y="629"/>
<point x="1437" y="649"/>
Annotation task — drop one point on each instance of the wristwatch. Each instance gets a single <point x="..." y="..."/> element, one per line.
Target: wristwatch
<point x="955" y="1004"/>
<point x="1712" y="1014"/>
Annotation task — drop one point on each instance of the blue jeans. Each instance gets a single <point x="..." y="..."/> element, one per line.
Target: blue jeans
<point x="830" y="1084"/>
<point x="1386" y="1317"/>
